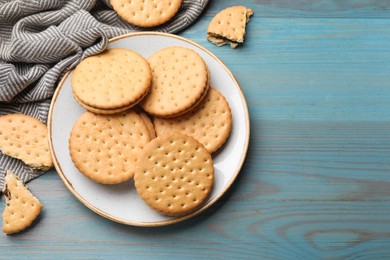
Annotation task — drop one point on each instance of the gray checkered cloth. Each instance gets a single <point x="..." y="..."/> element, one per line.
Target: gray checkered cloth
<point x="42" y="39"/>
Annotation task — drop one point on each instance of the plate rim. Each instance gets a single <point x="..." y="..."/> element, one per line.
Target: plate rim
<point x="98" y="211"/>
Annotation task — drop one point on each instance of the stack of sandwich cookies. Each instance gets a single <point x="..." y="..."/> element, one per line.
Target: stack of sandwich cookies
<point x="173" y="172"/>
<point x="112" y="81"/>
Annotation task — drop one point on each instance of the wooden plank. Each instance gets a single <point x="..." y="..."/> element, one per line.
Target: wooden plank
<point x="312" y="69"/>
<point x="237" y="226"/>
<point x="311" y="9"/>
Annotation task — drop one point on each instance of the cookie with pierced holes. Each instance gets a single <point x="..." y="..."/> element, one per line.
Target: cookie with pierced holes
<point x="25" y="138"/>
<point x="174" y="174"/>
<point x="146" y="13"/>
<point x="180" y="81"/>
<point x="229" y="26"/>
<point x="111" y="80"/>
<point x="209" y="123"/>
<point x="21" y="208"/>
<point x="105" y="148"/>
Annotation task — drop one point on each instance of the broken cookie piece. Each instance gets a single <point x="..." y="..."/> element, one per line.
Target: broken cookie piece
<point x="228" y="26"/>
<point x="25" y="138"/>
<point x="22" y="208"/>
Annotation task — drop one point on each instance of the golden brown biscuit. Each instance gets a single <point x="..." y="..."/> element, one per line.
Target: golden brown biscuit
<point x="210" y="122"/>
<point x="229" y="25"/>
<point x="146" y="13"/>
<point x="149" y="124"/>
<point x="105" y="148"/>
<point x="180" y="81"/>
<point x="22" y="208"/>
<point x="113" y="79"/>
<point x="25" y="138"/>
<point x="174" y="174"/>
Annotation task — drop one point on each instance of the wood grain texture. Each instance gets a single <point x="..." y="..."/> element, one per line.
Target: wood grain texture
<point x="316" y="182"/>
<point x="319" y="8"/>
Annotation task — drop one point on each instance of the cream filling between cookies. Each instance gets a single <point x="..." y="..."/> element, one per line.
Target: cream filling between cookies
<point x="33" y="166"/>
<point x="38" y="168"/>
<point x="220" y="40"/>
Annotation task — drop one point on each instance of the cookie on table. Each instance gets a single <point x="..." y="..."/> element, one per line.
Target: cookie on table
<point x="105" y="148"/>
<point x="229" y="25"/>
<point x="113" y="79"/>
<point x="210" y="122"/>
<point x="174" y="174"/>
<point x="180" y="81"/>
<point x="25" y="138"/>
<point x="21" y="208"/>
<point x="146" y="13"/>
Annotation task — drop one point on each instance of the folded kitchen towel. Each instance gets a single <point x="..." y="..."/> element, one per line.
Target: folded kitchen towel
<point x="42" y="39"/>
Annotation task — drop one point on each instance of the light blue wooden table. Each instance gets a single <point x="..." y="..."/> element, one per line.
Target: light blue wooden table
<point x="316" y="181"/>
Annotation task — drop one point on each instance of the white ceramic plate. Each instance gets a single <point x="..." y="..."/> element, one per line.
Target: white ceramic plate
<point x="120" y="202"/>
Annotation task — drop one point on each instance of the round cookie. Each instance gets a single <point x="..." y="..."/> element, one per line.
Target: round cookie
<point x="210" y="122"/>
<point x="147" y="120"/>
<point x="105" y="148"/>
<point x="180" y="81"/>
<point x="25" y="138"/>
<point x="174" y="174"/>
<point x="113" y="79"/>
<point x="146" y="13"/>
